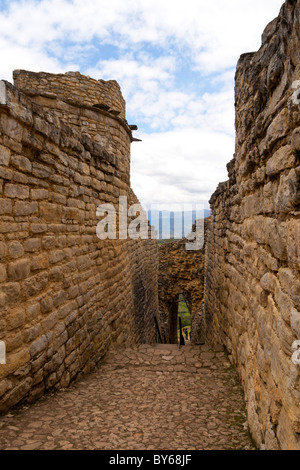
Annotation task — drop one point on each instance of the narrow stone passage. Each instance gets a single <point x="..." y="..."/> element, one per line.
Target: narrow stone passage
<point x="142" y="398"/>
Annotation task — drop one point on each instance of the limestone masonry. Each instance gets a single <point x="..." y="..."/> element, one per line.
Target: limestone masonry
<point x="65" y="295"/>
<point x="252" y="285"/>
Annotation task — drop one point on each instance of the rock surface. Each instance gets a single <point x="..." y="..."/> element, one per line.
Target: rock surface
<point x="253" y="245"/>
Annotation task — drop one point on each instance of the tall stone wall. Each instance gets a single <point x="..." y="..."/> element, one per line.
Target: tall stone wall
<point x="252" y="285"/>
<point x="65" y="295"/>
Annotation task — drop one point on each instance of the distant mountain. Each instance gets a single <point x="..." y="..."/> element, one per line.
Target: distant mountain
<point x="174" y="224"/>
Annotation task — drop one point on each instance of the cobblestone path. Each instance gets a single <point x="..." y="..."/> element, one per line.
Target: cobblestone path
<point x="142" y="398"/>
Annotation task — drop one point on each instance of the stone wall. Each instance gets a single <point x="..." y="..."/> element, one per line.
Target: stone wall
<point x="252" y="285"/>
<point x="94" y="107"/>
<point x="65" y="295"/>
<point x="72" y="87"/>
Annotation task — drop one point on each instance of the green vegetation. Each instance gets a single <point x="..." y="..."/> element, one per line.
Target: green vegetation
<point x="184" y="314"/>
<point x="163" y="242"/>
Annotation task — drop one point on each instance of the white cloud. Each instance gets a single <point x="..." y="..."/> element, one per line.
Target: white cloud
<point x="213" y="33"/>
<point x="14" y="56"/>
<point x="190" y="128"/>
<point x="144" y="72"/>
<point x="180" y="166"/>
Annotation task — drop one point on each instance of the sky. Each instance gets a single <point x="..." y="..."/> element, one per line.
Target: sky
<point x="175" y="61"/>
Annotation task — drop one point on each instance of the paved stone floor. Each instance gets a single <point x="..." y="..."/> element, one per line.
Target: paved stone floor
<point x="143" y="398"/>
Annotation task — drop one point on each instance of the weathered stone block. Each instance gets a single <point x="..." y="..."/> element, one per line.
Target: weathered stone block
<point x="3" y="273"/>
<point x="19" y="269"/>
<point x="12" y="292"/>
<point x="288" y="195"/>
<point x="39" y="262"/>
<point x="50" y="322"/>
<point x="5" y="206"/>
<point x="33" y="311"/>
<point x="293" y="244"/>
<point x="38" y="194"/>
<point x="51" y="212"/>
<point x="34" y="285"/>
<point x="22" y="163"/>
<point x="30" y="334"/>
<point x="295" y="293"/>
<point x="32" y="245"/>
<point x="16" y="191"/>
<point x="25" y="208"/>
<point x="47" y="304"/>
<point x="277" y="237"/>
<point x="56" y="256"/>
<point x="295" y="140"/>
<point x="16" y="319"/>
<point x="3" y="250"/>
<point x="17" y="360"/>
<point x="15" y="249"/>
<point x="38" y="228"/>
<point x="4" y="155"/>
<point x="282" y="159"/>
<point x="295" y="322"/>
<point x="38" y="346"/>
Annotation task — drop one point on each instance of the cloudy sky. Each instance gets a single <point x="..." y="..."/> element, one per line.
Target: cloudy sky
<point x="175" y="61"/>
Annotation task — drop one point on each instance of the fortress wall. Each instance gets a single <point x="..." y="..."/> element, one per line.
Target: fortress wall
<point x="65" y="295"/>
<point x="252" y="282"/>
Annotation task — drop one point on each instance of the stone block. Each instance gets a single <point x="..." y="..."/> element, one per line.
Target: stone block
<point x="22" y="163"/>
<point x="288" y="195"/>
<point x="277" y="238"/>
<point x="11" y="292"/>
<point x="30" y="334"/>
<point x="295" y="140"/>
<point x="295" y="322"/>
<point x="38" y="228"/>
<point x="51" y="213"/>
<point x="32" y="245"/>
<point x="15" y="249"/>
<point x="39" y="262"/>
<point x="5" y="206"/>
<point x="281" y="160"/>
<point x="25" y="208"/>
<point x="3" y="273"/>
<point x="4" y="156"/>
<point x="17" y="360"/>
<point x="34" y="285"/>
<point x="16" y="319"/>
<point x="16" y="191"/>
<point x="38" y="346"/>
<point x="37" y="194"/>
<point x="19" y="269"/>
<point x="295" y="293"/>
